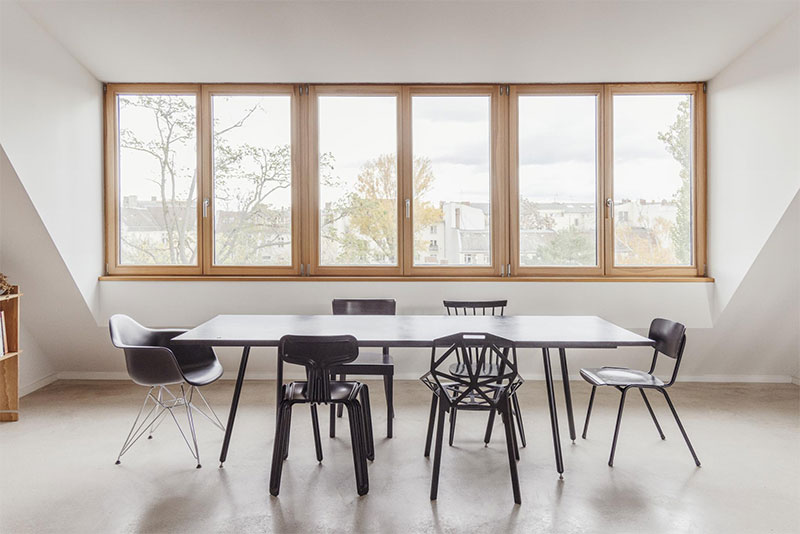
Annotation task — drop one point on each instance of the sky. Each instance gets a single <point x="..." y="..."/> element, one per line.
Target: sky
<point x="557" y="155"/>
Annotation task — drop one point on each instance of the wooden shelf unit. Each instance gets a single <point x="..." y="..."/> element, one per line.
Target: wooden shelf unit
<point x="9" y="362"/>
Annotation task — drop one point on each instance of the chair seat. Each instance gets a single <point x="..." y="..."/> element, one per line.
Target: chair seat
<point x="460" y="369"/>
<point x="202" y="375"/>
<point x="340" y="391"/>
<point x="367" y="362"/>
<point x="619" y="376"/>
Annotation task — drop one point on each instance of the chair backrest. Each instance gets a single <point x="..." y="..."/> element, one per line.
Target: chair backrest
<point x="670" y="340"/>
<point x="477" y="348"/>
<point x="670" y="337"/>
<point x="364" y="306"/>
<point x="318" y="354"/>
<point x="475" y="307"/>
<point x="148" y="360"/>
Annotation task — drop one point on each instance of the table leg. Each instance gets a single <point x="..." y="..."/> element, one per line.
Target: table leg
<point x="548" y="378"/>
<point x="278" y="384"/>
<point x="237" y="390"/>
<point x="562" y="352"/>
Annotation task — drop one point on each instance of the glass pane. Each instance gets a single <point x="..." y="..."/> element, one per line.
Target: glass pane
<point x="653" y="180"/>
<point x="357" y="180"/>
<point x="157" y="179"/>
<point x="558" y="180"/>
<point x="452" y="180"/>
<point x="252" y="169"/>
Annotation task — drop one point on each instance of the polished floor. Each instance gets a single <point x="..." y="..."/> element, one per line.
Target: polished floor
<point x="57" y="471"/>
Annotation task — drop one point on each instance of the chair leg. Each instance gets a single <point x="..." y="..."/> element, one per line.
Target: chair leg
<point x="431" y="422"/>
<point x="187" y="404"/>
<point x="315" y="427"/>
<point x="136" y="431"/>
<point x="680" y="425"/>
<point x="588" y="412"/>
<point x="518" y="416"/>
<point x="367" y="421"/>
<point x="453" y="414"/>
<point x="616" y="428"/>
<point x="277" y="452"/>
<point x="287" y="435"/>
<point x="357" y="435"/>
<point x="652" y="413"/>
<point x="513" y="452"/>
<point x="388" y="387"/>
<point x="153" y="427"/>
<point x="437" y="456"/>
<point x="487" y="437"/>
<point x="513" y="432"/>
<point x="342" y="378"/>
<point x="332" y="425"/>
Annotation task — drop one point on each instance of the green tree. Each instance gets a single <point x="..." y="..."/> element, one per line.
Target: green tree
<point x="678" y="142"/>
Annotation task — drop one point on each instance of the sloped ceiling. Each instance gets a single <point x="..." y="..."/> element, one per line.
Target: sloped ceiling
<point x="490" y="41"/>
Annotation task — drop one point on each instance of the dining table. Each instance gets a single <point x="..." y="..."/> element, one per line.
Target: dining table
<point x="545" y="332"/>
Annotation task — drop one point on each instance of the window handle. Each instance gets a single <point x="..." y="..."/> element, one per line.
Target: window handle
<point x="408" y="208"/>
<point x="610" y="204"/>
<point x="205" y="207"/>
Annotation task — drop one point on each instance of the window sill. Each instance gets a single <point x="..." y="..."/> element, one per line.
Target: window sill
<point x="253" y="278"/>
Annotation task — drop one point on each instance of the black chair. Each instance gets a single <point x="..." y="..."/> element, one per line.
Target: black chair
<point x="670" y="340"/>
<point x="155" y="362"/>
<point x="318" y="354"/>
<point x="459" y="391"/>
<point x="464" y="307"/>
<point x="368" y="363"/>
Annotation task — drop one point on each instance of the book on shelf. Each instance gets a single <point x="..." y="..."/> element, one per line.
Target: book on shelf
<point x="3" y="336"/>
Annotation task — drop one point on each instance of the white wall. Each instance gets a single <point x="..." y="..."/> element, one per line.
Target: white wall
<point x="51" y="130"/>
<point x="753" y="155"/>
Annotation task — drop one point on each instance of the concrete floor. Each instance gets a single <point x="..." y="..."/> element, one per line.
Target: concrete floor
<point x="57" y="471"/>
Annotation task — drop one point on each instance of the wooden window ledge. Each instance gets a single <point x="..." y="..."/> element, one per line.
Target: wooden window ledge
<point x="255" y="278"/>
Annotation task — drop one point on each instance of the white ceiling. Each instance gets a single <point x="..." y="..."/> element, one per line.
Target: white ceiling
<point x="302" y="41"/>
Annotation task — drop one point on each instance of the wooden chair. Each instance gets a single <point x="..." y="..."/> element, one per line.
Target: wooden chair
<point x="368" y="362"/>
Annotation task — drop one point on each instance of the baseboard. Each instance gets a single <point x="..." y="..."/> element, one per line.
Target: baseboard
<point x="265" y="375"/>
<point x="796" y="380"/>
<point x="38" y="384"/>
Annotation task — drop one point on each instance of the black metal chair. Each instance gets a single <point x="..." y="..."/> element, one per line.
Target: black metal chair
<point x="318" y="354"/>
<point x="155" y="362"/>
<point x="464" y="307"/>
<point x="458" y="391"/>
<point x="670" y="340"/>
<point x="368" y="363"/>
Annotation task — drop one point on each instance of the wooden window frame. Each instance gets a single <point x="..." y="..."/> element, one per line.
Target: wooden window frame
<point x="208" y="91"/>
<point x="498" y="129"/>
<point x="504" y="185"/>
<point x="313" y="243"/>
<point x="517" y="269"/>
<point x="698" y="118"/>
<point x="112" y="200"/>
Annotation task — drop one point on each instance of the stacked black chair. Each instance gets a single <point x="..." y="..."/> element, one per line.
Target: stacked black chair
<point x="670" y="340"/>
<point x="319" y="354"/>
<point x="459" y="368"/>
<point x="465" y="390"/>
<point x="367" y="363"/>
<point x="153" y="361"/>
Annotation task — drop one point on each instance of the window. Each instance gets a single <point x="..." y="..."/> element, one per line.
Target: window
<point x="557" y="179"/>
<point x="453" y="177"/>
<point x="437" y="181"/>
<point x="251" y="177"/>
<point x="357" y="178"/>
<point x="653" y="179"/>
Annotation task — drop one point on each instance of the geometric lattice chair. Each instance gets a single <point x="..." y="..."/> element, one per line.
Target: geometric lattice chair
<point x="670" y="340"/>
<point x="471" y="389"/>
<point x="477" y="307"/>
<point x="153" y="361"/>
<point x="319" y="354"/>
